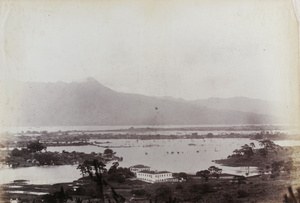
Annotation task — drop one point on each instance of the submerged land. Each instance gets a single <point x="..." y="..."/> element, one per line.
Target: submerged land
<point x="278" y="168"/>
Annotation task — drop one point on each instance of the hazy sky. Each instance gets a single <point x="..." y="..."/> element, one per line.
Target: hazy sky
<point x="188" y="48"/>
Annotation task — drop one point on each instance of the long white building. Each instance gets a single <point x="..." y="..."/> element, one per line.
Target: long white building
<point x="155" y="176"/>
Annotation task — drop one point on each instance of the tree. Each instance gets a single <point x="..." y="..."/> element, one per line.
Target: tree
<point x="47" y="158"/>
<point x="267" y="144"/>
<point x="45" y="132"/>
<point x="237" y="152"/>
<point x="113" y="168"/>
<point x="36" y="146"/>
<point x="16" y="152"/>
<point x="276" y="166"/>
<point x="60" y="197"/>
<point x="204" y="174"/>
<point x="239" y="180"/>
<point x="82" y="169"/>
<point x="293" y="198"/>
<point x="252" y="145"/>
<point x="210" y="135"/>
<point x="263" y="152"/>
<point x="247" y="150"/>
<point x="163" y="193"/>
<point x="119" y="174"/>
<point x="197" y="191"/>
<point x="182" y="175"/>
<point x="288" y="166"/>
<point x="258" y="136"/>
<point x="215" y="171"/>
<point x="95" y="169"/>
<point x="117" y="197"/>
<point x="108" y="152"/>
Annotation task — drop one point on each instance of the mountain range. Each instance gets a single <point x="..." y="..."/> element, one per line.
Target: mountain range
<point x="91" y="103"/>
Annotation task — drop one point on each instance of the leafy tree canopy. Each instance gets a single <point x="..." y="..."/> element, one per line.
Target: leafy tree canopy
<point x="36" y="146"/>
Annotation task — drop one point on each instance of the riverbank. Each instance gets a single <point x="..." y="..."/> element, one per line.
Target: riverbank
<point x="271" y="159"/>
<point x="253" y="189"/>
<point x="257" y="160"/>
<point x="24" y="158"/>
<point x="83" y="137"/>
<point x="215" y="190"/>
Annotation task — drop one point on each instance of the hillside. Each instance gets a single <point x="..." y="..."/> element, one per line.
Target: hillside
<point x="90" y="103"/>
<point x="243" y="104"/>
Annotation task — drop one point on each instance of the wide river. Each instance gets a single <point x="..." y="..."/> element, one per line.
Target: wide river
<point x="178" y="155"/>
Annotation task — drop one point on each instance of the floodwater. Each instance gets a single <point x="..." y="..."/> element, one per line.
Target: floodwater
<point x="288" y="143"/>
<point x="178" y="155"/>
<point x="40" y="175"/>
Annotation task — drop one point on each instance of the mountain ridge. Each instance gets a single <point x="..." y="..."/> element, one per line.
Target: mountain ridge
<point x="91" y="103"/>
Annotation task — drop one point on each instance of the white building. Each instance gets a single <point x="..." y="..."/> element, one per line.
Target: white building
<point x="14" y="200"/>
<point x="155" y="176"/>
<point x="138" y="168"/>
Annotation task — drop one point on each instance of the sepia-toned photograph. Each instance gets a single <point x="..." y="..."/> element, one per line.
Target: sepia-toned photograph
<point x="171" y="101"/>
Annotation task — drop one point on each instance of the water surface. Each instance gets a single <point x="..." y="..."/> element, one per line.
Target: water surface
<point x="178" y="155"/>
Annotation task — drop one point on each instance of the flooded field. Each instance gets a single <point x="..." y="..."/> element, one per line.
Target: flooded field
<point x="40" y="174"/>
<point x="178" y="155"/>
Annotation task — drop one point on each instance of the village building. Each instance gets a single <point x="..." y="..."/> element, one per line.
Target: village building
<point x="138" y="168"/>
<point x="156" y="176"/>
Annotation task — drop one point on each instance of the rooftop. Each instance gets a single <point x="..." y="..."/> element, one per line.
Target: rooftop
<point x="139" y="166"/>
<point x="154" y="172"/>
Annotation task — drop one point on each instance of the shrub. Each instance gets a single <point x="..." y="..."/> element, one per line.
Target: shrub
<point x="16" y="152"/>
<point x="274" y="175"/>
<point x="120" y="179"/>
<point x="227" y="198"/>
<point x="163" y="193"/>
<point x="117" y="177"/>
<point x="140" y="192"/>
<point x="108" y="152"/>
<point x="179" y="187"/>
<point x="206" y="188"/>
<point x="35" y="146"/>
<point x="47" y="158"/>
<point x="242" y="193"/>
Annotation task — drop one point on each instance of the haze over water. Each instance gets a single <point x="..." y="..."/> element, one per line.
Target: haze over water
<point x="20" y="129"/>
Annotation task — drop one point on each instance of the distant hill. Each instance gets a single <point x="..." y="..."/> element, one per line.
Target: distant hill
<point x="90" y="103"/>
<point x="244" y="104"/>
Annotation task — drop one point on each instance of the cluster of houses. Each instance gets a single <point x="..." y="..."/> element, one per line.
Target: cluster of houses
<point x="145" y="174"/>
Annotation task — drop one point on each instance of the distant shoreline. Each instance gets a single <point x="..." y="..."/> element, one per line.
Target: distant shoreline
<point x="116" y="128"/>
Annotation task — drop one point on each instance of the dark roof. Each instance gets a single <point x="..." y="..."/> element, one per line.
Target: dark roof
<point x="226" y="175"/>
<point x="154" y="172"/>
<point x="139" y="166"/>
